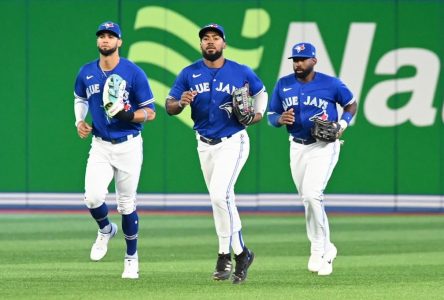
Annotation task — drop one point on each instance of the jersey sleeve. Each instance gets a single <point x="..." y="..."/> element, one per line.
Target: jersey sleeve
<point x="344" y="96"/>
<point x="143" y="94"/>
<point x="275" y="105"/>
<point x="180" y="85"/>
<point x="79" y="86"/>
<point x="256" y="84"/>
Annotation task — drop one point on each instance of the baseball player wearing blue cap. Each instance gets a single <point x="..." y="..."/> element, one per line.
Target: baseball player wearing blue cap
<point x="297" y="100"/>
<point x="116" y="149"/>
<point x="222" y="141"/>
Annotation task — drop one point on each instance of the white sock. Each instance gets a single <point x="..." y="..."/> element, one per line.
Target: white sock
<point x="237" y="243"/>
<point x="224" y="245"/>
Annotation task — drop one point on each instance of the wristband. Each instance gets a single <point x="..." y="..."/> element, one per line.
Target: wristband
<point x="146" y="115"/>
<point x="273" y="119"/>
<point x="180" y="105"/>
<point x="346" y="116"/>
<point x="126" y="116"/>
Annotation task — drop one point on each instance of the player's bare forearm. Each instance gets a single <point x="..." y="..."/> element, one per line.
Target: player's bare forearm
<point x="175" y="107"/>
<point x="144" y="115"/>
<point x="347" y="115"/>
<point x="351" y="108"/>
<point x="172" y="106"/>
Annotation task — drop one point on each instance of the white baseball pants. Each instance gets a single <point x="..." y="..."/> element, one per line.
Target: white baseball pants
<point x="311" y="167"/>
<point x="221" y="165"/>
<point x="122" y="162"/>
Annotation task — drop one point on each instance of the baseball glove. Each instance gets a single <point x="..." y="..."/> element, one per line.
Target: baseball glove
<point x="243" y="105"/>
<point x="113" y="93"/>
<point x="326" y="131"/>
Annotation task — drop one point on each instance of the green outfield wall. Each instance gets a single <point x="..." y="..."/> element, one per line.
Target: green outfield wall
<point x="390" y="53"/>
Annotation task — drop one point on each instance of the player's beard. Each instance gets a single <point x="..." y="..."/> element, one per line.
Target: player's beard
<point x="212" y="56"/>
<point x="107" y="52"/>
<point x="304" y="73"/>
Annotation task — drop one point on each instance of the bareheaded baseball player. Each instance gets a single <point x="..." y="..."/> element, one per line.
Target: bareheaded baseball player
<point x="305" y="102"/>
<point x="218" y="92"/>
<point x="118" y="96"/>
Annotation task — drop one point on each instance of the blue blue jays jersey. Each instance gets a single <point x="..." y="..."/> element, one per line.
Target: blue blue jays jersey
<point x="211" y="109"/>
<point x="89" y="86"/>
<point x="314" y="99"/>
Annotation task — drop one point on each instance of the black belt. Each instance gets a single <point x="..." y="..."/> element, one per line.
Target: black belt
<point x="121" y="139"/>
<point x="304" y="142"/>
<point x="213" y="141"/>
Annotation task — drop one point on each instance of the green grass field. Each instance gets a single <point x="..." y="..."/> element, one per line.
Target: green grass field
<point x="46" y="256"/>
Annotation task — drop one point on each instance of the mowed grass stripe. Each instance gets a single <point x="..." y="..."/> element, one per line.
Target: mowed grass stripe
<point x="380" y="257"/>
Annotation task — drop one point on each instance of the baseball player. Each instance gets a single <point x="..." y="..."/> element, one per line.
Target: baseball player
<point x="116" y="149"/>
<point x="223" y="144"/>
<point x="297" y="100"/>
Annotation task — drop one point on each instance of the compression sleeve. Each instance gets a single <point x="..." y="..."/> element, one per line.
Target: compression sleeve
<point x="80" y="109"/>
<point x="260" y="102"/>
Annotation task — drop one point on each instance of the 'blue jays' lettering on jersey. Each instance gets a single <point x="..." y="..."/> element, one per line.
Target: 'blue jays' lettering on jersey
<point x="89" y="86"/>
<point x="211" y="109"/>
<point x="310" y="100"/>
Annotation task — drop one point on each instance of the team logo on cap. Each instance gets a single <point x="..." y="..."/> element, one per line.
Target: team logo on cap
<point x="108" y="25"/>
<point x="300" y="48"/>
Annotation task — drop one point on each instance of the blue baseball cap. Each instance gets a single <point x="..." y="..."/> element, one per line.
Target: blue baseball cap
<point x="306" y="50"/>
<point x="212" y="27"/>
<point x="110" y="27"/>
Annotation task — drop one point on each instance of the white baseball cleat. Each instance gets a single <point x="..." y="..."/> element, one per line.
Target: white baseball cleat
<point x="100" y="247"/>
<point x="329" y="257"/>
<point x="315" y="263"/>
<point x="131" y="268"/>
